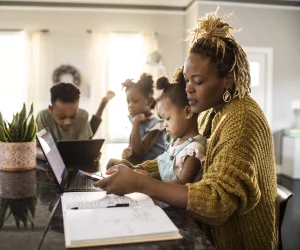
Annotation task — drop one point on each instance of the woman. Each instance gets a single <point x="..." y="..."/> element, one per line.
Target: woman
<point x="236" y="200"/>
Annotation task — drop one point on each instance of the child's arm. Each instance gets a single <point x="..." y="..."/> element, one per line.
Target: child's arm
<point x="97" y="118"/>
<point x="141" y="145"/>
<point x="191" y="167"/>
<point x="109" y="95"/>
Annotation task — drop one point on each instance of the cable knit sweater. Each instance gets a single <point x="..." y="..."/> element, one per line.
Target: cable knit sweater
<point x="237" y="198"/>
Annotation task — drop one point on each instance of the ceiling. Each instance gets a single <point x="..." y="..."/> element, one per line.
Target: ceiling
<point x="179" y="5"/>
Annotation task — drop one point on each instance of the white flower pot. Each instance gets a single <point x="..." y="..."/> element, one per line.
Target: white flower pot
<point x="15" y="156"/>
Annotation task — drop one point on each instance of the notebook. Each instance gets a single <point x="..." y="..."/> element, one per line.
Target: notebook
<point x="79" y="151"/>
<point x="68" y="181"/>
<point x="102" y="222"/>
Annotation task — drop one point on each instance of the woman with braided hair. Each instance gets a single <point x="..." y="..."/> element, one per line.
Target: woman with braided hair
<point x="236" y="200"/>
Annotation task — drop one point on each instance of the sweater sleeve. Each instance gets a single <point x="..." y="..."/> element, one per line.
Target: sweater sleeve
<point x="229" y="184"/>
<point x="150" y="166"/>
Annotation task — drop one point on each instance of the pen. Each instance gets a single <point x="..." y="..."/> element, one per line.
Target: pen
<point x="74" y="208"/>
<point x="119" y="205"/>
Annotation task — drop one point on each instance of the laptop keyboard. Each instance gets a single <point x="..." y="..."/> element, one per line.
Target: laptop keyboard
<point x="84" y="183"/>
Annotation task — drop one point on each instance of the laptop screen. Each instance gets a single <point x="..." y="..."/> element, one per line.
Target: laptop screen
<point x="52" y="155"/>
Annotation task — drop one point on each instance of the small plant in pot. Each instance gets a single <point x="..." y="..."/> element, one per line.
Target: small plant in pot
<point x="17" y="141"/>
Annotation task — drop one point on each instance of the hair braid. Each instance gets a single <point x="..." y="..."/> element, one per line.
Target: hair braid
<point x="212" y="38"/>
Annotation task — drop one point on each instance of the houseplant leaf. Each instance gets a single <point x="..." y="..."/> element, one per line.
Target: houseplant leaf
<point x="22" y="119"/>
<point x="2" y="135"/>
<point x="32" y="201"/>
<point x="31" y="129"/>
<point x="4" y="204"/>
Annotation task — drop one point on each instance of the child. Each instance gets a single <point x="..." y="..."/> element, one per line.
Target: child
<point x="65" y="119"/>
<point x="182" y="162"/>
<point x="147" y="139"/>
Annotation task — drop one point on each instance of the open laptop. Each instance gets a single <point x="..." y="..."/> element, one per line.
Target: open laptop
<point x="79" y="151"/>
<point x="68" y="181"/>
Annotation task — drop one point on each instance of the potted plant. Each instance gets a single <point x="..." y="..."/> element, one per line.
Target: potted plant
<point x="18" y="198"/>
<point x="17" y="145"/>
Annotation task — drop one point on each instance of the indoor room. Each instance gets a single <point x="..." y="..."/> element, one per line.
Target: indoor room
<point x="94" y="58"/>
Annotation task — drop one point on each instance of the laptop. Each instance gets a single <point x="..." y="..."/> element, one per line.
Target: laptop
<point x="79" y="151"/>
<point x="68" y="181"/>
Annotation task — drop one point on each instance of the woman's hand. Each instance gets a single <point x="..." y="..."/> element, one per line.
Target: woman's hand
<point x="112" y="162"/>
<point x="122" y="181"/>
<point x="143" y="172"/>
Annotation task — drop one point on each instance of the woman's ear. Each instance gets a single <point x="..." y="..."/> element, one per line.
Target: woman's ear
<point x="188" y="112"/>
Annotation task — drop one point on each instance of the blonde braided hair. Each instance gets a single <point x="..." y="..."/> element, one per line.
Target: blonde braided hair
<point x="212" y="38"/>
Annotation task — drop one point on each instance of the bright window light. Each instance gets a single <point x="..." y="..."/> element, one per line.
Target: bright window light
<point x="13" y="72"/>
<point x="127" y="56"/>
<point x="254" y="72"/>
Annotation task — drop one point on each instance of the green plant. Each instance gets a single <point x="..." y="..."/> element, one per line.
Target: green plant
<point x="23" y="210"/>
<point x="22" y="128"/>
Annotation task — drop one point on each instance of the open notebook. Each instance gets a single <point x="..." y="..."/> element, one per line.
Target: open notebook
<point x="96" y="219"/>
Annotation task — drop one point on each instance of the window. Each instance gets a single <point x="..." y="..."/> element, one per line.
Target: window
<point x="261" y="61"/>
<point x="254" y="72"/>
<point x="13" y="73"/>
<point x="127" y="54"/>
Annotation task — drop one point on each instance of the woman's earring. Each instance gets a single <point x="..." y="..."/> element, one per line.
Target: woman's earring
<point x="227" y="96"/>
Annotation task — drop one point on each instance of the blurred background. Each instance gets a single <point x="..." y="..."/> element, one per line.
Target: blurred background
<point x="109" y="41"/>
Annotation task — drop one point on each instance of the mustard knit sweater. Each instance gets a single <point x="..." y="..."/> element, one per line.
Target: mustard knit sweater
<point x="237" y="198"/>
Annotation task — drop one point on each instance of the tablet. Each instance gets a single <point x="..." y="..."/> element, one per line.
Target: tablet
<point x="77" y="152"/>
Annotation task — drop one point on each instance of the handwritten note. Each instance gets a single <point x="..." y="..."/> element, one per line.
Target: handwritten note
<point x="103" y="225"/>
<point x="85" y="200"/>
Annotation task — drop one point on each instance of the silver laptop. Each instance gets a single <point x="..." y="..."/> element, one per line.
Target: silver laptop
<point x="68" y="180"/>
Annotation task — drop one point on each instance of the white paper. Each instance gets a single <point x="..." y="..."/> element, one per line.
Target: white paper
<point x="86" y="200"/>
<point x="98" y="225"/>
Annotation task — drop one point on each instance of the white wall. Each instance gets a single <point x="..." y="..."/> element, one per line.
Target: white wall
<point x="276" y="28"/>
<point x="191" y="17"/>
<point x="68" y="42"/>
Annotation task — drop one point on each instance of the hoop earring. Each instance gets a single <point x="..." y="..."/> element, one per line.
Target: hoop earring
<point x="227" y="96"/>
